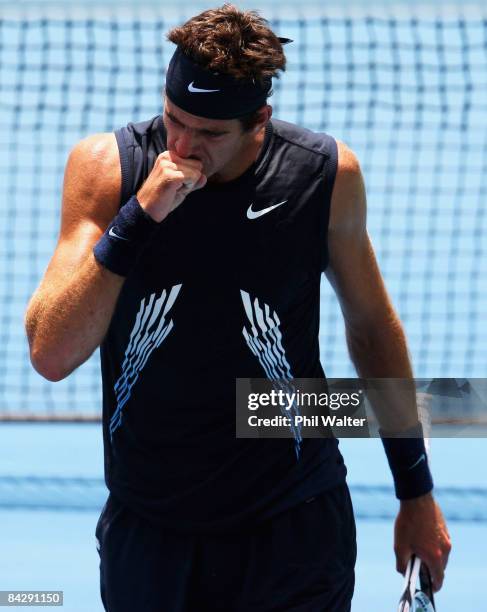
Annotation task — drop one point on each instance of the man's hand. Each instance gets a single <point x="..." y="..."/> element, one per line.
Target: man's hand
<point x="172" y="178"/>
<point x="420" y="528"/>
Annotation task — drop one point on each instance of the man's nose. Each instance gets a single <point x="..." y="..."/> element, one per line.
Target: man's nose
<point x="185" y="143"/>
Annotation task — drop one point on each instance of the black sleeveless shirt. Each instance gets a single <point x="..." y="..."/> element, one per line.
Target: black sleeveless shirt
<point x="219" y="293"/>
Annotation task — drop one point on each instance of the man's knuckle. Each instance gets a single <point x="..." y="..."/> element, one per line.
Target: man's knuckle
<point x="173" y="176"/>
<point x="168" y="166"/>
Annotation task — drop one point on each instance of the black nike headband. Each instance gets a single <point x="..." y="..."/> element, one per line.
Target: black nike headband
<point x="204" y="93"/>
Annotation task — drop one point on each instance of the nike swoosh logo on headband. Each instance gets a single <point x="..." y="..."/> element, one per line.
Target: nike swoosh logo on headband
<point x="194" y="89"/>
<point x="255" y="214"/>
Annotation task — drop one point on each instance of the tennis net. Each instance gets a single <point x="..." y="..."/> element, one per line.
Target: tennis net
<point x="405" y="88"/>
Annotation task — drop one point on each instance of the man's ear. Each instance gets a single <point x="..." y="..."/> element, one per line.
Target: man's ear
<point x="265" y="115"/>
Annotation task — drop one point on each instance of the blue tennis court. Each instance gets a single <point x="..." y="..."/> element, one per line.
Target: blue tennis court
<point x="55" y="549"/>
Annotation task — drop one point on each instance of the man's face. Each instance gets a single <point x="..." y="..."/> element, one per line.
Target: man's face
<point x="217" y="143"/>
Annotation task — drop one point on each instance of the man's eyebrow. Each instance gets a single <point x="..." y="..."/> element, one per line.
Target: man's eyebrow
<point x="207" y="131"/>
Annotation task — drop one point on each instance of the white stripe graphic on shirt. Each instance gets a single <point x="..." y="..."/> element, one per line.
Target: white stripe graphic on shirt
<point x="149" y="331"/>
<point x="265" y="341"/>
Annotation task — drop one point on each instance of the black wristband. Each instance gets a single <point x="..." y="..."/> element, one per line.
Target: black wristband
<point x="408" y="460"/>
<point x="125" y="238"/>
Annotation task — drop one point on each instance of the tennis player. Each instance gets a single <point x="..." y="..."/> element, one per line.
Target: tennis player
<point x="190" y="251"/>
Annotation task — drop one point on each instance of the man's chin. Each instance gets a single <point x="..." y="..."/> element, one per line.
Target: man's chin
<point x="212" y="177"/>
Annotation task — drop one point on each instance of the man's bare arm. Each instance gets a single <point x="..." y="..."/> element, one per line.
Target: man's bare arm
<point x="378" y="348"/>
<point x="375" y="336"/>
<point x="69" y="313"/>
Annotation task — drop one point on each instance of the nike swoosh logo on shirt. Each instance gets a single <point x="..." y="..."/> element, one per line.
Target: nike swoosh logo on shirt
<point x="255" y="214"/>
<point x="114" y="235"/>
<point x="194" y="89"/>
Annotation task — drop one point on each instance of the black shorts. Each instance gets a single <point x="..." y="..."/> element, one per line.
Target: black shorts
<point x="299" y="561"/>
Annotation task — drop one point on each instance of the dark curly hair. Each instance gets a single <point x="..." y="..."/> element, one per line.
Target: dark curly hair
<point x="234" y="42"/>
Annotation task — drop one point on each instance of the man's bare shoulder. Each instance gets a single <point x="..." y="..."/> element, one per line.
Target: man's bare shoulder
<point x="102" y="147"/>
<point x="96" y="160"/>
<point x="92" y="183"/>
<point x="348" y="203"/>
<point x="347" y="160"/>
